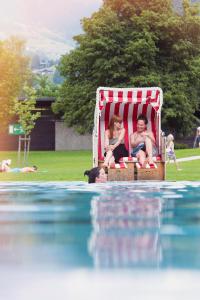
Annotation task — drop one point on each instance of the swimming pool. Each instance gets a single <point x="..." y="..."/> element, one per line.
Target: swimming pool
<point x="142" y="230"/>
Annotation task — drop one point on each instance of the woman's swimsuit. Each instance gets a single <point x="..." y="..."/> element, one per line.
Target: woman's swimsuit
<point x="170" y="153"/>
<point x="15" y="170"/>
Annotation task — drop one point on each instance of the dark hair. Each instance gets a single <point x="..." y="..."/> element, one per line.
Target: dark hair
<point x="92" y="174"/>
<point x="35" y="168"/>
<point x="143" y="118"/>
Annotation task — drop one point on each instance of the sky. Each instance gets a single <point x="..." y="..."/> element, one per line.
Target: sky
<point x="47" y="25"/>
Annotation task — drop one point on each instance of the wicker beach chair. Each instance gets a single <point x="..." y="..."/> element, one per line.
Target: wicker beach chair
<point x="129" y="103"/>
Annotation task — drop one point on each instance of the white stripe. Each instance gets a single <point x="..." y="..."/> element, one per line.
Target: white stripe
<point x="140" y="107"/>
<point x="121" y="110"/>
<point x="125" y="96"/>
<point x="112" y="109"/>
<point x="153" y="94"/>
<point x="102" y="129"/>
<point x="130" y="124"/>
<point x="115" y="96"/>
<point x="144" y="96"/>
<point x="149" y="108"/>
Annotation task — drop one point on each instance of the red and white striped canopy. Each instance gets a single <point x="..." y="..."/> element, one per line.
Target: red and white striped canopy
<point x="128" y="103"/>
<point x="130" y="95"/>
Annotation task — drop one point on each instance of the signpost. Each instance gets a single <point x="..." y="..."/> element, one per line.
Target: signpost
<point x="16" y="129"/>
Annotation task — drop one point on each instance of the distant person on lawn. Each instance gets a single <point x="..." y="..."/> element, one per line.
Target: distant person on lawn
<point x="5" y="165"/>
<point x="197" y="138"/>
<point x="143" y="143"/>
<point x="170" y="150"/>
<point x="7" y="169"/>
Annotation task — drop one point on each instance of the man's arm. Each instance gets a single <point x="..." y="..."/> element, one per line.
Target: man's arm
<point x="135" y="139"/>
<point x="149" y="135"/>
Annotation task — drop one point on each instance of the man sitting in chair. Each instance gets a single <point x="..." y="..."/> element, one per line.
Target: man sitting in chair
<point x="143" y="143"/>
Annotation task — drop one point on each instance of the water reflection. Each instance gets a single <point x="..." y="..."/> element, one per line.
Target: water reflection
<point x="125" y="230"/>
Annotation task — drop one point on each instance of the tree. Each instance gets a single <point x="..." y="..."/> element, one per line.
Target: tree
<point x="14" y="66"/>
<point x="25" y="110"/>
<point x="135" y="43"/>
<point x="45" y="87"/>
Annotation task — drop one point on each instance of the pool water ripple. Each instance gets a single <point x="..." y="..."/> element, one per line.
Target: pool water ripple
<point x="146" y="225"/>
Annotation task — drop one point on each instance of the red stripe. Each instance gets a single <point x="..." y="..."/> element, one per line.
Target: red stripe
<point x="139" y="96"/>
<point x="102" y="95"/>
<point x="107" y="114"/>
<point x="101" y="99"/>
<point x="135" y="112"/>
<point x="130" y="97"/>
<point x="149" y="92"/>
<point x="99" y="144"/>
<point x="144" y="110"/>
<point x="120" y="96"/>
<point x="157" y="94"/>
<point x="125" y="121"/>
<point x="116" y="111"/>
<point x="153" y="125"/>
<point x="110" y="96"/>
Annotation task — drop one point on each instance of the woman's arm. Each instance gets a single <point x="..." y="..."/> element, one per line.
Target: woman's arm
<point x="120" y="139"/>
<point x="106" y="140"/>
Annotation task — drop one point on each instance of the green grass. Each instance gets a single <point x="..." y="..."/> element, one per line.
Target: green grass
<point x="70" y="166"/>
<point x="52" y="166"/>
<point x="190" y="169"/>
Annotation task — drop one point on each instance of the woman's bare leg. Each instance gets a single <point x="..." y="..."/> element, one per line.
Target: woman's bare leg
<point x="109" y="154"/>
<point x="112" y="160"/>
<point x="177" y="166"/>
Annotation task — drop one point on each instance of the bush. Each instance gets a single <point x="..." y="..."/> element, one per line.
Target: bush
<point x="180" y="146"/>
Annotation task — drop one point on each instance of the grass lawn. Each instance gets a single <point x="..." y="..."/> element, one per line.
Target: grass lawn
<point x="70" y="166"/>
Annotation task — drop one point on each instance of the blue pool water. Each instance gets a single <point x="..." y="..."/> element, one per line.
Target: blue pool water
<point x="148" y="227"/>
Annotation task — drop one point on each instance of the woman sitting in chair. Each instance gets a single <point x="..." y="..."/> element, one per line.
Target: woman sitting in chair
<point x="114" y="142"/>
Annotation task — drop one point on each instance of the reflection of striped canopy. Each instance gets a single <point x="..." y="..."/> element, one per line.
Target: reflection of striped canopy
<point x="128" y="103"/>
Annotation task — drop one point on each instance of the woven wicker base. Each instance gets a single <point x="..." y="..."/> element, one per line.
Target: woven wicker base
<point x="152" y="174"/>
<point x="121" y="174"/>
<point x="132" y="173"/>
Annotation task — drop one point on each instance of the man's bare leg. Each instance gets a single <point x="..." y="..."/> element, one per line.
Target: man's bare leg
<point x="141" y="156"/>
<point x="149" y="150"/>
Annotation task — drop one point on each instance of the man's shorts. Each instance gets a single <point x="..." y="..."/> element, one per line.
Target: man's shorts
<point x="139" y="147"/>
<point x="142" y="147"/>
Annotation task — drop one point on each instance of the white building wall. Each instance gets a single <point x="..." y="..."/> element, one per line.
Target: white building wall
<point x="67" y="139"/>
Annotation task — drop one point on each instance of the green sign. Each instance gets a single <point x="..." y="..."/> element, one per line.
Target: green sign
<point x="16" y="129"/>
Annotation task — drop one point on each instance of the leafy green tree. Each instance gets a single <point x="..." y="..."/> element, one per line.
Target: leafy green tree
<point x="14" y="66"/>
<point x="45" y="87"/>
<point x="25" y="110"/>
<point x="135" y="43"/>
